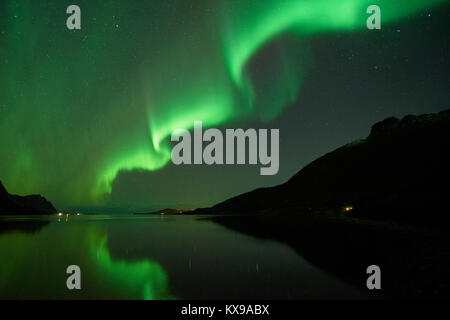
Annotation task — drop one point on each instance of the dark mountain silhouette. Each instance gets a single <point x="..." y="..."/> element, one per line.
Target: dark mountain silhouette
<point x="400" y="171"/>
<point x="381" y="200"/>
<point x="164" y="211"/>
<point x="23" y="205"/>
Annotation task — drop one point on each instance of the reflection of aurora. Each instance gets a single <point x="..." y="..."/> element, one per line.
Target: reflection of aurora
<point x="35" y="265"/>
<point x="143" y="274"/>
<point x="201" y="70"/>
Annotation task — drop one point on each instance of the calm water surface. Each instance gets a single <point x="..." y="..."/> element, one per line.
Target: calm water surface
<point x="152" y="257"/>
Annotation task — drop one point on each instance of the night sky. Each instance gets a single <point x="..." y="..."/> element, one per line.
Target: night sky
<point x="86" y="115"/>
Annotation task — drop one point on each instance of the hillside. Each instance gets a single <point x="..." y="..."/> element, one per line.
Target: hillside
<point x="399" y="171"/>
<point x="23" y="205"/>
<point x="381" y="200"/>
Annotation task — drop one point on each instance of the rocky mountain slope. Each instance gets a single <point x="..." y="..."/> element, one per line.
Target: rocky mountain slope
<point x="400" y="171"/>
<point x="23" y="205"/>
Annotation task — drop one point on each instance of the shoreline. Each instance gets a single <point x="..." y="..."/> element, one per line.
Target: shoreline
<point x="414" y="261"/>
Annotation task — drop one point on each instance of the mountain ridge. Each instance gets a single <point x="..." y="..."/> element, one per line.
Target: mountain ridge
<point x="397" y="172"/>
<point x="11" y="204"/>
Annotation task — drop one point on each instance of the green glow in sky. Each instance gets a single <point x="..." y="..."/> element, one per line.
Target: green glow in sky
<point x="78" y="107"/>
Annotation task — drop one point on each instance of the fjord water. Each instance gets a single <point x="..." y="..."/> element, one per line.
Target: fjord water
<point x="152" y="257"/>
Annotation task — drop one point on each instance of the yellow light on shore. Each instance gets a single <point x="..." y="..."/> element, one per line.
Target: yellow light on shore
<point x="348" y="208"/>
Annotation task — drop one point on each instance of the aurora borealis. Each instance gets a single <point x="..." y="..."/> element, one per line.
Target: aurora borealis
<point x="79" y="107"/>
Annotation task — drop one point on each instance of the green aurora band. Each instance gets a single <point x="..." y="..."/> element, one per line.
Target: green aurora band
<point x="78" y="107"/>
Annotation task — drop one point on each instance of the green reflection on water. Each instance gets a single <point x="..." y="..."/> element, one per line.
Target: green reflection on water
<point x="33" y="265"/>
